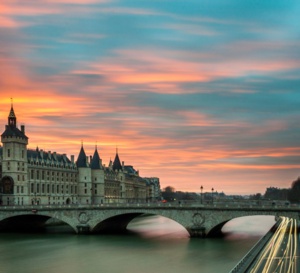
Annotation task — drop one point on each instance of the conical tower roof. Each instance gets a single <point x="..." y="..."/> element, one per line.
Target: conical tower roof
<point x="96" y="161"/>
<point x="117" y="163"/>
<point x="81" y="160"/>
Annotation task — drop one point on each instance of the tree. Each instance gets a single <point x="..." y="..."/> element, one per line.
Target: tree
<point x="168" y="193"/>
<point x="256" y="196"/>
<point x="169" y="189"/>
<point x="294" y="193"/>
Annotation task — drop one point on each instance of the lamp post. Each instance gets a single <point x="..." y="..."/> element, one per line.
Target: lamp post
<point x="212" y="195"/>
<point x="201" y="188"/>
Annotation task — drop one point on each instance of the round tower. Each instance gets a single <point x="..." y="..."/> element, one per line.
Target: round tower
<point x="84" y="179"/>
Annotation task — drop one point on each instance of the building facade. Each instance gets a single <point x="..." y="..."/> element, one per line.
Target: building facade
<point x="29" y="177"/>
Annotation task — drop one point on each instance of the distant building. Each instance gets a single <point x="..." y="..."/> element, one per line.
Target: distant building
<point x="38" y="177"/>
<point x="273" y="193"/>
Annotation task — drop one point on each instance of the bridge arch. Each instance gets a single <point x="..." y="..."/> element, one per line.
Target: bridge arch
<point x="117" y="223"/>
<point x="30" y="221"/>
<point x="216" y="223"/>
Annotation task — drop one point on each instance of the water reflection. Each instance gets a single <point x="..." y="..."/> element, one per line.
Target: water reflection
<point x="152" y="226"/>
<point x="155" y="244"/>
<point x="248" y="226"/>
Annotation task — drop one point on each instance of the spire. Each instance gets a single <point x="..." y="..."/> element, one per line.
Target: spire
<point x="12" y="120"/>
<point x="96" y="163"/>
<point x="117" y="163"/>
<point x="81" y="160"/>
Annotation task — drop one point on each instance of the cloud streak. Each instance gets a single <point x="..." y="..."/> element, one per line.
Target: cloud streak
<point x="196" y="95"/>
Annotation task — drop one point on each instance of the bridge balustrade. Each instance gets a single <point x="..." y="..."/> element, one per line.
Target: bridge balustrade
<point x="154" y="205"/>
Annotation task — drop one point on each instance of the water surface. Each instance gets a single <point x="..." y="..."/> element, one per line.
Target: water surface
<point x="155" y="244"/>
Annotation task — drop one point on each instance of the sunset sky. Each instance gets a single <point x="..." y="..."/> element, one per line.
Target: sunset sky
<point x="193" y="92"/>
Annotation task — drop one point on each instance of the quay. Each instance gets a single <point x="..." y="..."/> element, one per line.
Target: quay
<point x="274" y="252"/>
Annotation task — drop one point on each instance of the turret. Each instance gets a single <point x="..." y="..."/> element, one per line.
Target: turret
<point x="84" y="178"/>
<point x="97" y="179"/>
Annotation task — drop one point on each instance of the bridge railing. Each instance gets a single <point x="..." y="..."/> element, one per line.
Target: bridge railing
<point x="217" y="205"/>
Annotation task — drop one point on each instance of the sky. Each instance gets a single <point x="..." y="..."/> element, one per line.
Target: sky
<point x="197" y="93"/>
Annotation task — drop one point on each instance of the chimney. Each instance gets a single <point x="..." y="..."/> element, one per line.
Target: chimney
<point x="23" y="129"/>
<point x="72" y="158"/>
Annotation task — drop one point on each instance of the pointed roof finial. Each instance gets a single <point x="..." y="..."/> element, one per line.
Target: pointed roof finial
<point x="81" y="143"/>
<point x="116" y="149"/>
<point x="96" y="145"/>
<point x="11" y="102"/>
<point x="12" y="120"/>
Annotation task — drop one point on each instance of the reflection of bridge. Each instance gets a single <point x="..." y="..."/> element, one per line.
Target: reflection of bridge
<point x="199" y="220"/>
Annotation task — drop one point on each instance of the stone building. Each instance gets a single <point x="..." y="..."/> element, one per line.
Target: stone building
<point x="29" y="177"/>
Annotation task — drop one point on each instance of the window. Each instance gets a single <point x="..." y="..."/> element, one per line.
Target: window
<point x="37" y="175"/>
<point x="32" y="174"/>
<point x="48" y="188"/>
<point x="38" y="188"/>
<point x="31" y="188"/>
<point x="8" y="152"/>
<point x="43" y="188"/>
<point x="22" y="153"/>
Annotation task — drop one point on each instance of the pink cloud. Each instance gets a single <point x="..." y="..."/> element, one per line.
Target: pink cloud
<point x="7" y="22"/>
<point x="156" y="69"/>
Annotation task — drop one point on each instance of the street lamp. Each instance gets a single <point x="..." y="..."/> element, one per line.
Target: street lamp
<point x="201" y="188"/>
<point x="212" y="195"/>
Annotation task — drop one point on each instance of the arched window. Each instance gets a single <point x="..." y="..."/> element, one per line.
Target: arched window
<point x="7" y="185"/>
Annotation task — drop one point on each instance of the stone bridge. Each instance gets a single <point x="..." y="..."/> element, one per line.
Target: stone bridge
<point x="198" y="220"/>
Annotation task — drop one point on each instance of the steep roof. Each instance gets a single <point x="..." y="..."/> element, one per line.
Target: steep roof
<point x="96" y="161"/>
<point x="43" y="156"/>
<point x="117" y="163"/>
<point x="81" y="160"/>
<point x="11" y="129"/>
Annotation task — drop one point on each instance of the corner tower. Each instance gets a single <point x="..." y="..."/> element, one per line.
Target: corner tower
<point x="84" y="178"/>
<point x="97" y="178"/>
<point x="13" y="184"/>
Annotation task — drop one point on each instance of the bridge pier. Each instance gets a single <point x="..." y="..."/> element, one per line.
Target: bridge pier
<point x="197" y="232"/>
<point x="83" y="229"/>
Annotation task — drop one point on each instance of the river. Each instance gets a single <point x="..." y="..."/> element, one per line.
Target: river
<point x="155" y="244"/>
